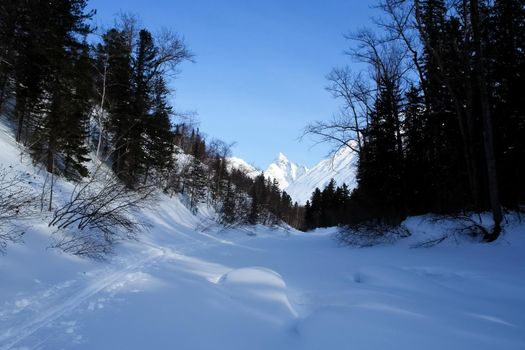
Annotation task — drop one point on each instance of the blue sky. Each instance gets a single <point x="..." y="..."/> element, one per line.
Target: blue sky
<point x="260" y="66"/>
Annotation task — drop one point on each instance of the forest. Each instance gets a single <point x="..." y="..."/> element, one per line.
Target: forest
<point x="131" y="220"/>
<point x="75" y="94"/>
<point x="436" y="115"/>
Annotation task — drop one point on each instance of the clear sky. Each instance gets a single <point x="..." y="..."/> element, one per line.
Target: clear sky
<point x="260" y="68"/>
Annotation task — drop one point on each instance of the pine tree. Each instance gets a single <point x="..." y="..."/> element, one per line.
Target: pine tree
<point x="159" y="134"/>
<point x="10" y="11"/>
<point x="506" y="50"/>
<point x="142" y="95"/>
<point x="120" y="98"/>
<point x="196" y="184"/>
<point x="228" y="209"/>
<point x="419" y="146"/>
<point x="60" y="121"/>
<point x="327" y="205"/>
<point x="76" y="119"/>
<point x="380" y="169"/>
<point x="259" y="197"/>
<point x="451" y="121"/>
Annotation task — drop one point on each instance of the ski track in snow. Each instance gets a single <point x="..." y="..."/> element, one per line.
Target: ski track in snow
<point x="73" y="299"/>
<point x="47" y="317"/>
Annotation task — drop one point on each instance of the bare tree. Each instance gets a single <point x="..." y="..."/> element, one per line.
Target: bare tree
<point x="400" y="25"/>
<point x="129" y="23"/>
<point x="172" y="51"/>
<point x="100" y="108"/>
<point x="388" y="63"/>
<point x="345" y="127"/>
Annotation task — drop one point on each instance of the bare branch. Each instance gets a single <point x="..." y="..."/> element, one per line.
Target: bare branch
<point x="16" y="201"/>
<point x="100" y="212"/>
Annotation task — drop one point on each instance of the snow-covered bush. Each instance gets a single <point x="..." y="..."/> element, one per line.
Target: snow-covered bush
<point x="456" y="227"/>
<point x="369" y="234"/>
<point x="100" y="211"/>
<point x="16" y="200"/>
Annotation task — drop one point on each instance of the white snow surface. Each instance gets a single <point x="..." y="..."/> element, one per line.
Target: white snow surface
<point x="188" y="283"/>
<point x="284" y="171"/>
<point x="242" y="165"/>
<point x="341" y="167"/>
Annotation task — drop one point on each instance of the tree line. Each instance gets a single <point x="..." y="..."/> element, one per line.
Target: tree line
<point x="437" y="116"/>
<point x="75" y="94"/>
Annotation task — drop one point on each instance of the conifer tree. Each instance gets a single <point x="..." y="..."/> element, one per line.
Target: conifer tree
<point x="60" y="121"/>
<point x="195" y="183"/>
<point x="159" y="135"/>
<point x="228" y="209"/>
<point x="119" y="95"/>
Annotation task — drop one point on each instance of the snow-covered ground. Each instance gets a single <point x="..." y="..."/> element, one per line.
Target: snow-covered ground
<point x="190" y="284"/>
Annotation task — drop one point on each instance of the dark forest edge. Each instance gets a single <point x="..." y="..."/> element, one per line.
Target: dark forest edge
<point x="437" y="117"/>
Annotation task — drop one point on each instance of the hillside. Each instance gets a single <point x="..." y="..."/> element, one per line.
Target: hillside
<point x="341" y="167"/>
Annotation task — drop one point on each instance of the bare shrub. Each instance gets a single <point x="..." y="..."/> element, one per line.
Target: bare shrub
<point x="456" y="227"/>
<point x="369" y="234"/>
<point x="100" y="212"/>
<point x="16" y="203"/>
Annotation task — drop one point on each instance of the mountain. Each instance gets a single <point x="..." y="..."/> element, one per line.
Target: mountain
<point x="341" y="167"/>
<point x="285" y="171"/>
<point x="297" y="180"/>
<point x="242" y="165"/>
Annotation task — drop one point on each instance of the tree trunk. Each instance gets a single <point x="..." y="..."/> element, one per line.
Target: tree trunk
<point x="20" y="114"/>
<point x="101" y="111"/>
<point x="488" y="137"/>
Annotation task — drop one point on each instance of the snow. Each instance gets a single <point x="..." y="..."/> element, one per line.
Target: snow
<point x="242" y="165"/>
<point x="188" y="283"/>
<point x="299" y="181"/>
<point x="284" y="171"/>
<point x="341" y="167"/>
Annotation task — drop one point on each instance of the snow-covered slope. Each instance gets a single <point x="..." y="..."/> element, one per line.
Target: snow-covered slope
<point x="341" y="167"/>
<point x="242" y="165"/>
<point x="299" y="181"/>
<point x="284" y="171"/>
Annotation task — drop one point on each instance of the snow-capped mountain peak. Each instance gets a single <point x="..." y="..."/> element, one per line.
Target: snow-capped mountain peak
<point x="242" y="165"/>
<point x="341" y="167"/>
<point x="299" y="181"/>
<point x="284" y="171"/>
<point x="282" y="159"/>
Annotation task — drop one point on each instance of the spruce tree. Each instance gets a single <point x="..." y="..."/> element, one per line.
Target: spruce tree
<point x="120" y="98"/>
<point x="59" y="117"/>
<point x="195" y="183"/>
<point x="159" y="135"/>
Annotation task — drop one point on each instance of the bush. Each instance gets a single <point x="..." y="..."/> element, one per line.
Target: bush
<point x="100" y="212"/>
<point x="16" y="203"/>
<point x="370" y="233"/>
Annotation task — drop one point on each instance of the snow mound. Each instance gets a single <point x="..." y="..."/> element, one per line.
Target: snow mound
<point x="260" y="291"/>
